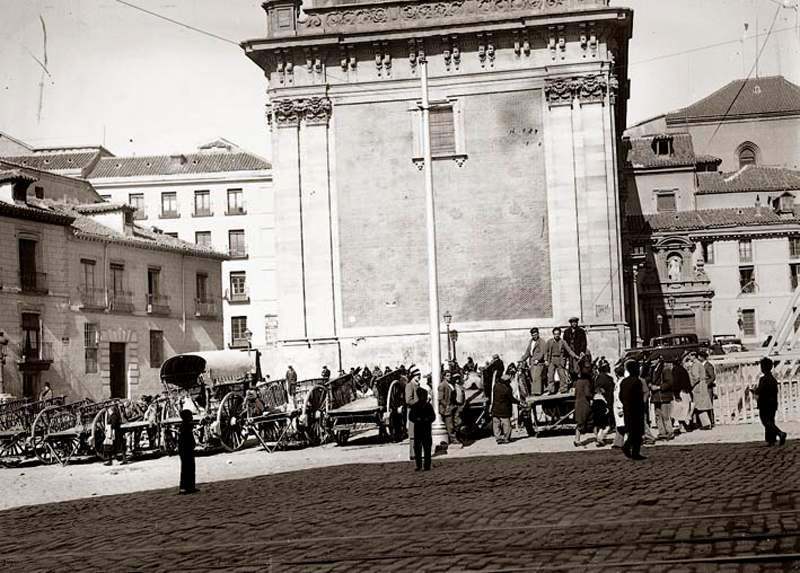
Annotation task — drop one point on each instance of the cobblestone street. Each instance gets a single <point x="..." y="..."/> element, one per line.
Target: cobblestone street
<point x="725" y="507"/>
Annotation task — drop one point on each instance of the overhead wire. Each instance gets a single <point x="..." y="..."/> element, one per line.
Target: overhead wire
<point x="176" y="22"/>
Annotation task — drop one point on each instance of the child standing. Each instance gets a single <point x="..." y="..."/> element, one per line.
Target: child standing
<point x="600" y="415"/>
<point x="767" y="394"/>
<point x="421" y="414"/>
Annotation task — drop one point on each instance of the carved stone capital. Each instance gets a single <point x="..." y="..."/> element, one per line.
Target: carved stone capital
<point x="587" y="89"/>
<point x="290" y="112"/>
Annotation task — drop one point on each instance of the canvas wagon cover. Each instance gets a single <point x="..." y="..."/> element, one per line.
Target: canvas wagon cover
<point x="217" y="366"/>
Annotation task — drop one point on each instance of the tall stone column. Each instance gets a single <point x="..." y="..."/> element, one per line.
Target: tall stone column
<point x="285" y="116"/>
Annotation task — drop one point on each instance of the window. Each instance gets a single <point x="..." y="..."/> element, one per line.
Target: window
<point x="136" y="201"/>
<point x="708" y="251"/>
<point x="747" y="156"/>
<point x="87" y="275"/>
<point x="38" y="192"/>
<point x="174" y="235"/>
<point x="238" y="287"/>
<point x="749" y="322"/>
<point x="30" y="335"/>
<point x="663" y="146"/>
<point x="666" y="201"/>
<point x="794" y="247"/>
<point x="443" y="134"/>
<point x="786" y="203"/>
<point x="639" y="251"/>
<point x="203" y="238"/>
<point x="90" y="343"/>
<point x="169" y="205"/>
<point x="153" y="282"/>
<point x="747" y="282"/>
<point x="156" y="348"/>
<point x="106" y="198"/>
<point x="236" y="246"/>
<point x="117" y="278"/>
<point x="745" y="251"/>
<point x="238" y="331"/>
<point x="794" y="272"/>
<point x="202" y="204"/>
<point x="201" y="282"/>
<point x="29" y="278"/>
<point x="235" y="202"/>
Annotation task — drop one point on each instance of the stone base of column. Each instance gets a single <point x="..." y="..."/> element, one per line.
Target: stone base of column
<point x="441" y="440"/>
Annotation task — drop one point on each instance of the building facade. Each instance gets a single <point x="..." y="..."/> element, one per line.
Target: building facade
<point x="218" y="197"/>
<point x="528" y="102"/>
<point x="91" y="302"/>
<point x="714" y="249"/>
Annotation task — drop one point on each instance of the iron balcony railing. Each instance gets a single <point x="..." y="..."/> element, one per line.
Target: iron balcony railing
<point x="120" y="301"/>
<point x="158" y="304"/>
<point x="33" y="282"/>
<point x="206" y="308"/>
<point x="233" y="296"/>
<point x="92" y="298"/>
<point x="238" y="252"/>
<point x="35" y="357"/>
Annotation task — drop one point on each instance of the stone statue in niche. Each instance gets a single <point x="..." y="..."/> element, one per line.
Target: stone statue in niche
<point x="674" y="269"/>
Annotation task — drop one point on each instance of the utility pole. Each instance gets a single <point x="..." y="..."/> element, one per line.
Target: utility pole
<point x="440" y="438"/>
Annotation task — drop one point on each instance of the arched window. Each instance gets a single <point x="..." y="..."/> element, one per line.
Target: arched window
<point x="748" y="154"/>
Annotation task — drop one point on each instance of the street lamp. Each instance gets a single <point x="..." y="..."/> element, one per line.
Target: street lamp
<point x="660" y="321"/>
<point x="447" y="318"/>
<point x="671" y="304"/>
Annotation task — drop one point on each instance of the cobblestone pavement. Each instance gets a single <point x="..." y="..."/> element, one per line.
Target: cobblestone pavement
<point x="720" y="507"/>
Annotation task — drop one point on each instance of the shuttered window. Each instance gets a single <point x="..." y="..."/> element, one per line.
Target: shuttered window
<point x="443" y="133"/>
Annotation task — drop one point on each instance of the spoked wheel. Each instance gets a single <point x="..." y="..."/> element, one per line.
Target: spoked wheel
<point x="231" y="418"/>
<point x="39" y="429"/>
<point x="395" y="401"/>
<point x="12" y="448"/>
<point x="314" y="410"/>
<point x="67" y="444"/>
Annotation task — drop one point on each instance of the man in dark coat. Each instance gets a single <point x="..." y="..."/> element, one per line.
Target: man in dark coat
<point x="575" y="336"/>
<point x="632" y="398"/>
<point x="534" y="356"/>
<point x="186" y="445"/>
<point x="421" y="414"/>
<point x="767" y="395"/>
<point x="556" y="354"/>
<point x="492" y="374"/>
<point x="447" y="405"/>
<point x="661" y="395"/>
<point x="116" y="445"/>
<point x="326" y="374"/>
<point x="502" y="402"/>
<point x="291" y="383"/>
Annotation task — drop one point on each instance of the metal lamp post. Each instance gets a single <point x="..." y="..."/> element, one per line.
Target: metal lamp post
<point x="660" y="321"/>
<point x="438" y="431"/>
<point x="447" y="318"/>
<point x="454" y="338"/>
<point x="671" y="303"/>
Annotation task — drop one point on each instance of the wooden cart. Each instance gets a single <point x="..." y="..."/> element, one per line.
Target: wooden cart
<point x="549" y="413"/>
<point x="16" y="423"/>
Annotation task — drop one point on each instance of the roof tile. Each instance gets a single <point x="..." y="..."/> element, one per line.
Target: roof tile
<point x="708" y="219"/>
<point x="178" y="164"/>
<point x="748" y="178"/>
<point x="642" y="152"/>
<point x="54" y="161"/>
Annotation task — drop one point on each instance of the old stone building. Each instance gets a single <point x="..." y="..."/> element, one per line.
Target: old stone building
<point x="90" y="301"/>
<point x="528" y="102"/>
<point x="712" y="234"/>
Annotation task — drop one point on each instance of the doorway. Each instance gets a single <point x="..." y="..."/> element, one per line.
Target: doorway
<point x="119" y="384"/>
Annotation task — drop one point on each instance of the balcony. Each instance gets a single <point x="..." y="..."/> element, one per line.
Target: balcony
<point x="203" y="213"/>
<point x="93" y="298"/>
<point x="139" y="215"/>
<point x="36" y="359"/>
<point x="237" y="297"/>
<point x="238" y="252"/>
<point x="206" y="308"/>
<point x="236" y="210"/>
<point x="158" y="304"/>
<point x="239" y="343"/>
<point x="169" y="215"/>
<point x="120" y="301"/>
<point x="32" y="282"/>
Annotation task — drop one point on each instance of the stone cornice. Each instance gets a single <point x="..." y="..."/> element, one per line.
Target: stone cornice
<point x="290" y="112"/>
<point x="395" y="14"/>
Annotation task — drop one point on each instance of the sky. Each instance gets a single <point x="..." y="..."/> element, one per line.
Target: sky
<point x="140" y="85"/>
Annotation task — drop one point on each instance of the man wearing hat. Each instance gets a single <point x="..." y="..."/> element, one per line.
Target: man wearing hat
<point x="534" y="357"/>
<point x="556" y="353"/>
<point x="447" y="405"/>
<point x="491" y="374"/>
<point x="575" y="336"/>
<point x="502" y="403"/>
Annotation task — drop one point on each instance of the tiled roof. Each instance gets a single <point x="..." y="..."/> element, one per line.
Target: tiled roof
<point x="94" y="208"/>
<point x="14" y="175"/>
<point x="708" y="219"/>
<point x="748" y="178"/>
<point x="642" y="154"/>
<point x="43" y="214"/>
<point x="142" y="237"/>
<point x="54" y="161"/>
<point x="191" y="163"/>
<point x="758" y="96"/>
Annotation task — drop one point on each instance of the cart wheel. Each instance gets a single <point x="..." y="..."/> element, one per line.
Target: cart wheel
<point x="233" y="431"/>
<point x="65" y="447"/>
<point x="170" y="440"/>
<point x="12" y="447"/>
<point x="99" y="435"/>
<point x="39" y="431"/>
<point x="342" y="437"/>
<point x="314" y="410"/>
<point x="528" y="421"/>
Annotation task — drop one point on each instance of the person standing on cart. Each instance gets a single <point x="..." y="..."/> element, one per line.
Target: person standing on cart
<point x="557" y="352"/>
<point x="535" y="358"/>
<point x="575" y="337"/>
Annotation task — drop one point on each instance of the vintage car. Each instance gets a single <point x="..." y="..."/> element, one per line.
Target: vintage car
<point x="729" y="343"/>
<point x="669" y="347"/>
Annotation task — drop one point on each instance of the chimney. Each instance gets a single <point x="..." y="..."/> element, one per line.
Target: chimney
<point x="758" y="206"/>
